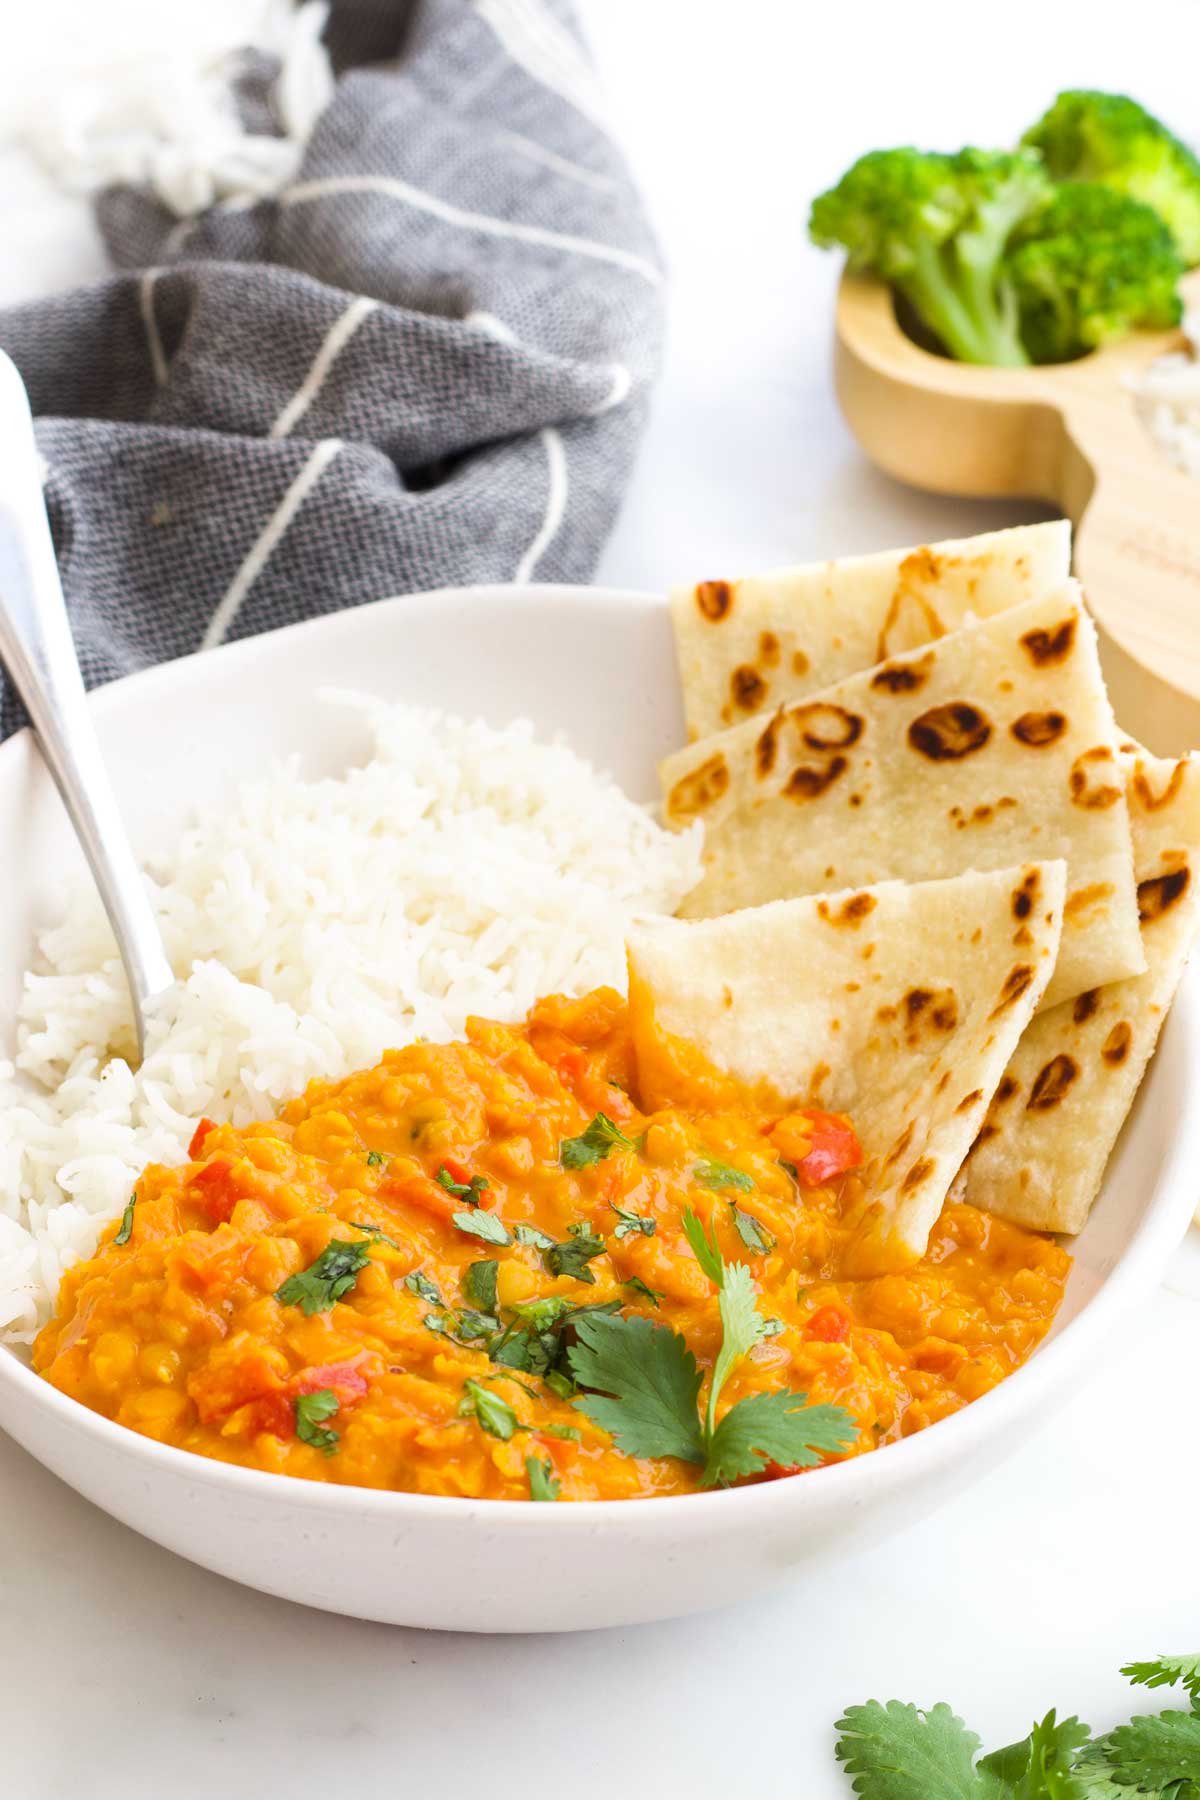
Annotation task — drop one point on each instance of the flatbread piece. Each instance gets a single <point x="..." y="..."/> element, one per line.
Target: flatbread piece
<point x="900" y="1005"/>
<point x="1065" y="1095"/>
<point x="993" y="746"/>
<point x="746" y="646"/>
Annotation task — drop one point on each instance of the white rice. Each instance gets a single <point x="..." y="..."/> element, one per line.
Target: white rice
<point x="318" y="923"/>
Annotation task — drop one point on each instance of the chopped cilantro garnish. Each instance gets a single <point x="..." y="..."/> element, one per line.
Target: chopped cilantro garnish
<point x="644" y="1386"/>
<point x="529" y="1234"/>
<point x="562" y="1431"/>
<point x="632" y="1221"/>
<point x="373" y="1232"/>
<point x="717" y="1175"/>
<point x="375" y="1159"/>
<point x="479" y="1284"/>
<point x="483" y="1225"/>
<point x="895" y="1751"/>
<point x="495" y="1415"/>
<point x="559" y="1384"/>
<point x="791" y="1169"/>
<point x="542" y="1485"/>
<point x="334" y="1273"/>
<point x="125" y="1229"/>
<point x="772" y="1327"/>
<point x="310" y="1409"/>
<point x="653" y="1295"/>
<point x="753" y="1234"/>
<point x="419" y="1284"/>
<point x="573" y="1255"/>
<point x="470" y="1191"/>
<point x="594" y="1144"/>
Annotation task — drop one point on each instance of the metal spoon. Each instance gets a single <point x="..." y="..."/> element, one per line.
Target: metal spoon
<point x="37" y="650"/>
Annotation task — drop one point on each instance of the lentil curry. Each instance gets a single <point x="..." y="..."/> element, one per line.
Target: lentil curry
<point x="383" y="1286"/>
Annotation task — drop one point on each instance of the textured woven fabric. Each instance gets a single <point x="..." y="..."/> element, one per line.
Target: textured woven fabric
<point x="424" y="363"/>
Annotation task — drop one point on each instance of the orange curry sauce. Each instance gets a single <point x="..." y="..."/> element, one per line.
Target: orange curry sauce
<point x="179" y="1331"/>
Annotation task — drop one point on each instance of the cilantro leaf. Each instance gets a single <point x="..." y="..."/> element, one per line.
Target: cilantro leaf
<point x="483" y="1225"/>
<point x="542" y="1485"/>
<point x="632" y="1221"/>
<point x="1158" y="1752"/>
<point x="644" y="1385"/>
<point x="1042" y="1766"/>
<point x="742" y="1327"/>
<point x="705" y="1250"/>
<point x="898" y="1752"/>
<point x="419" y="1284"/>
<point x="494" y="1415"/>
<point x="375" y="1159"/>
<point x="717" y="1175"/>
<point x="479" y="1284"/>
<point x="470" y="1191"/>
<point x="373" y="1232"/>
<point x="573" y="1255"/>
<point x="752" y="1232"/>
<point x="529" y="1234"/>
<point x="310" y="1409"/>
<point x="774" y="1427"/>
<point x="125" y="1229"/>
<point x="1168" y="1671"/>
<point x="653" y="1295"/>
<point x="334" y="1273"/>
<point x="594" y="1144"/>
<point x="562" y="1431"/>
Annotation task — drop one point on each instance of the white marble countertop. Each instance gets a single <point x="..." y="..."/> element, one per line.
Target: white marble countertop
<point x="129" y="1673"/>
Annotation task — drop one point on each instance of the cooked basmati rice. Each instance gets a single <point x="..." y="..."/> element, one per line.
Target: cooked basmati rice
<point x="1167" y="395"/>
<point x="462" y="870"/>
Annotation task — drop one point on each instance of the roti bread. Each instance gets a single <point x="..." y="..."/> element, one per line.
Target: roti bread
<point x="745" y="647"/>
<point x="1065" y="1095"/>
<point x="900" y="1005"/>
<point x="991" y="747"/>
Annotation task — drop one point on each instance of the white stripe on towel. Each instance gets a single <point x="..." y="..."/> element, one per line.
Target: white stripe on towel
<point x="322" y="455"/>
<point x="545" y="49"/>
<point x="455" y="215"/>
<point x="336" y="339"/>
<point x="556" y="503"/>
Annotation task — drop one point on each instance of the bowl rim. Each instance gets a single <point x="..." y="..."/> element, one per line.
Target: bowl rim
<point x="852" y="1481"/>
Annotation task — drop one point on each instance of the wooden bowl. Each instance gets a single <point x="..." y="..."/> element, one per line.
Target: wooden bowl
<point x="1068" y="434"/>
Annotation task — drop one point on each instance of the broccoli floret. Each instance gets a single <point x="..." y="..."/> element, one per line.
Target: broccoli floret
<point x="936" y="227"/>
<point x="1094" y="265"/>
<point x="1087" y="136"/>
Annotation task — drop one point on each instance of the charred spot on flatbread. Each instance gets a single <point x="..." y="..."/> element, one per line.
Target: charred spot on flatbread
<point x="900" y="1146"/>
<point x="921" y="1170"/>
<point x="747" y="689"/>
<point x="901" y="678"/>
<point x="825" y="727"/>
<point x="1051" y="1083"/>
<point x="768" y="648"/>
<point x="697" y="790"/>
<point x="1085" y="1005"/>
<point x="1147" y="799"/>
<point x="1025" y="896"/>
<point x="1051" y="644"/>
<point x="1015" y="983"/>
<point x="1037" y="729"/>
<point x="800" y="663"/>
<point x="970" y="1100"/>
<point x="1084" y="898"/>
<point x="929" y="1009"/>
<point x="715" y="600"/>
<point x="1115" y="1047"/>
<point x="853" y="910"/>
<point x="805" y="782"/>
<point x="949" y="732"/>
<point x="1005" y="1091"/>
<point x="1089" y="788"/>
<point x="766" y="748"/>
<point x="1160" y="892"/>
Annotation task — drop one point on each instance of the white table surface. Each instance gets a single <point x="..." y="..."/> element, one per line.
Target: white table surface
<point x="127" y="1672"/>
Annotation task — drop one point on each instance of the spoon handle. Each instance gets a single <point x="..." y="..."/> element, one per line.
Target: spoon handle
<point x="37" y="650"/>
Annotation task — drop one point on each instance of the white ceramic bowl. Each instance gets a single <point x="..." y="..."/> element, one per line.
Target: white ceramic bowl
<point x="599" y="666"/>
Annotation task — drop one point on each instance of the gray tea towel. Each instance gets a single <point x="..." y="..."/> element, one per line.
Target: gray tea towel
<point x="424" y="362"/>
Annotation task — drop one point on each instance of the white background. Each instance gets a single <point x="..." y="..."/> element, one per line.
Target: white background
<point x="129" y="1673"/>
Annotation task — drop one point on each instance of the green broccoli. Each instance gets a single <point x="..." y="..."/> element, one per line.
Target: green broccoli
<point x="1087" y="136"/>
<point x="1094" y="265"/>
<point x="936" y="227"/>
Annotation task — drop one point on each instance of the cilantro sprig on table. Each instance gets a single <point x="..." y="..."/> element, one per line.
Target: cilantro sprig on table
<point x="895" y="1751"/>
<point x="644" y="1386"/>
